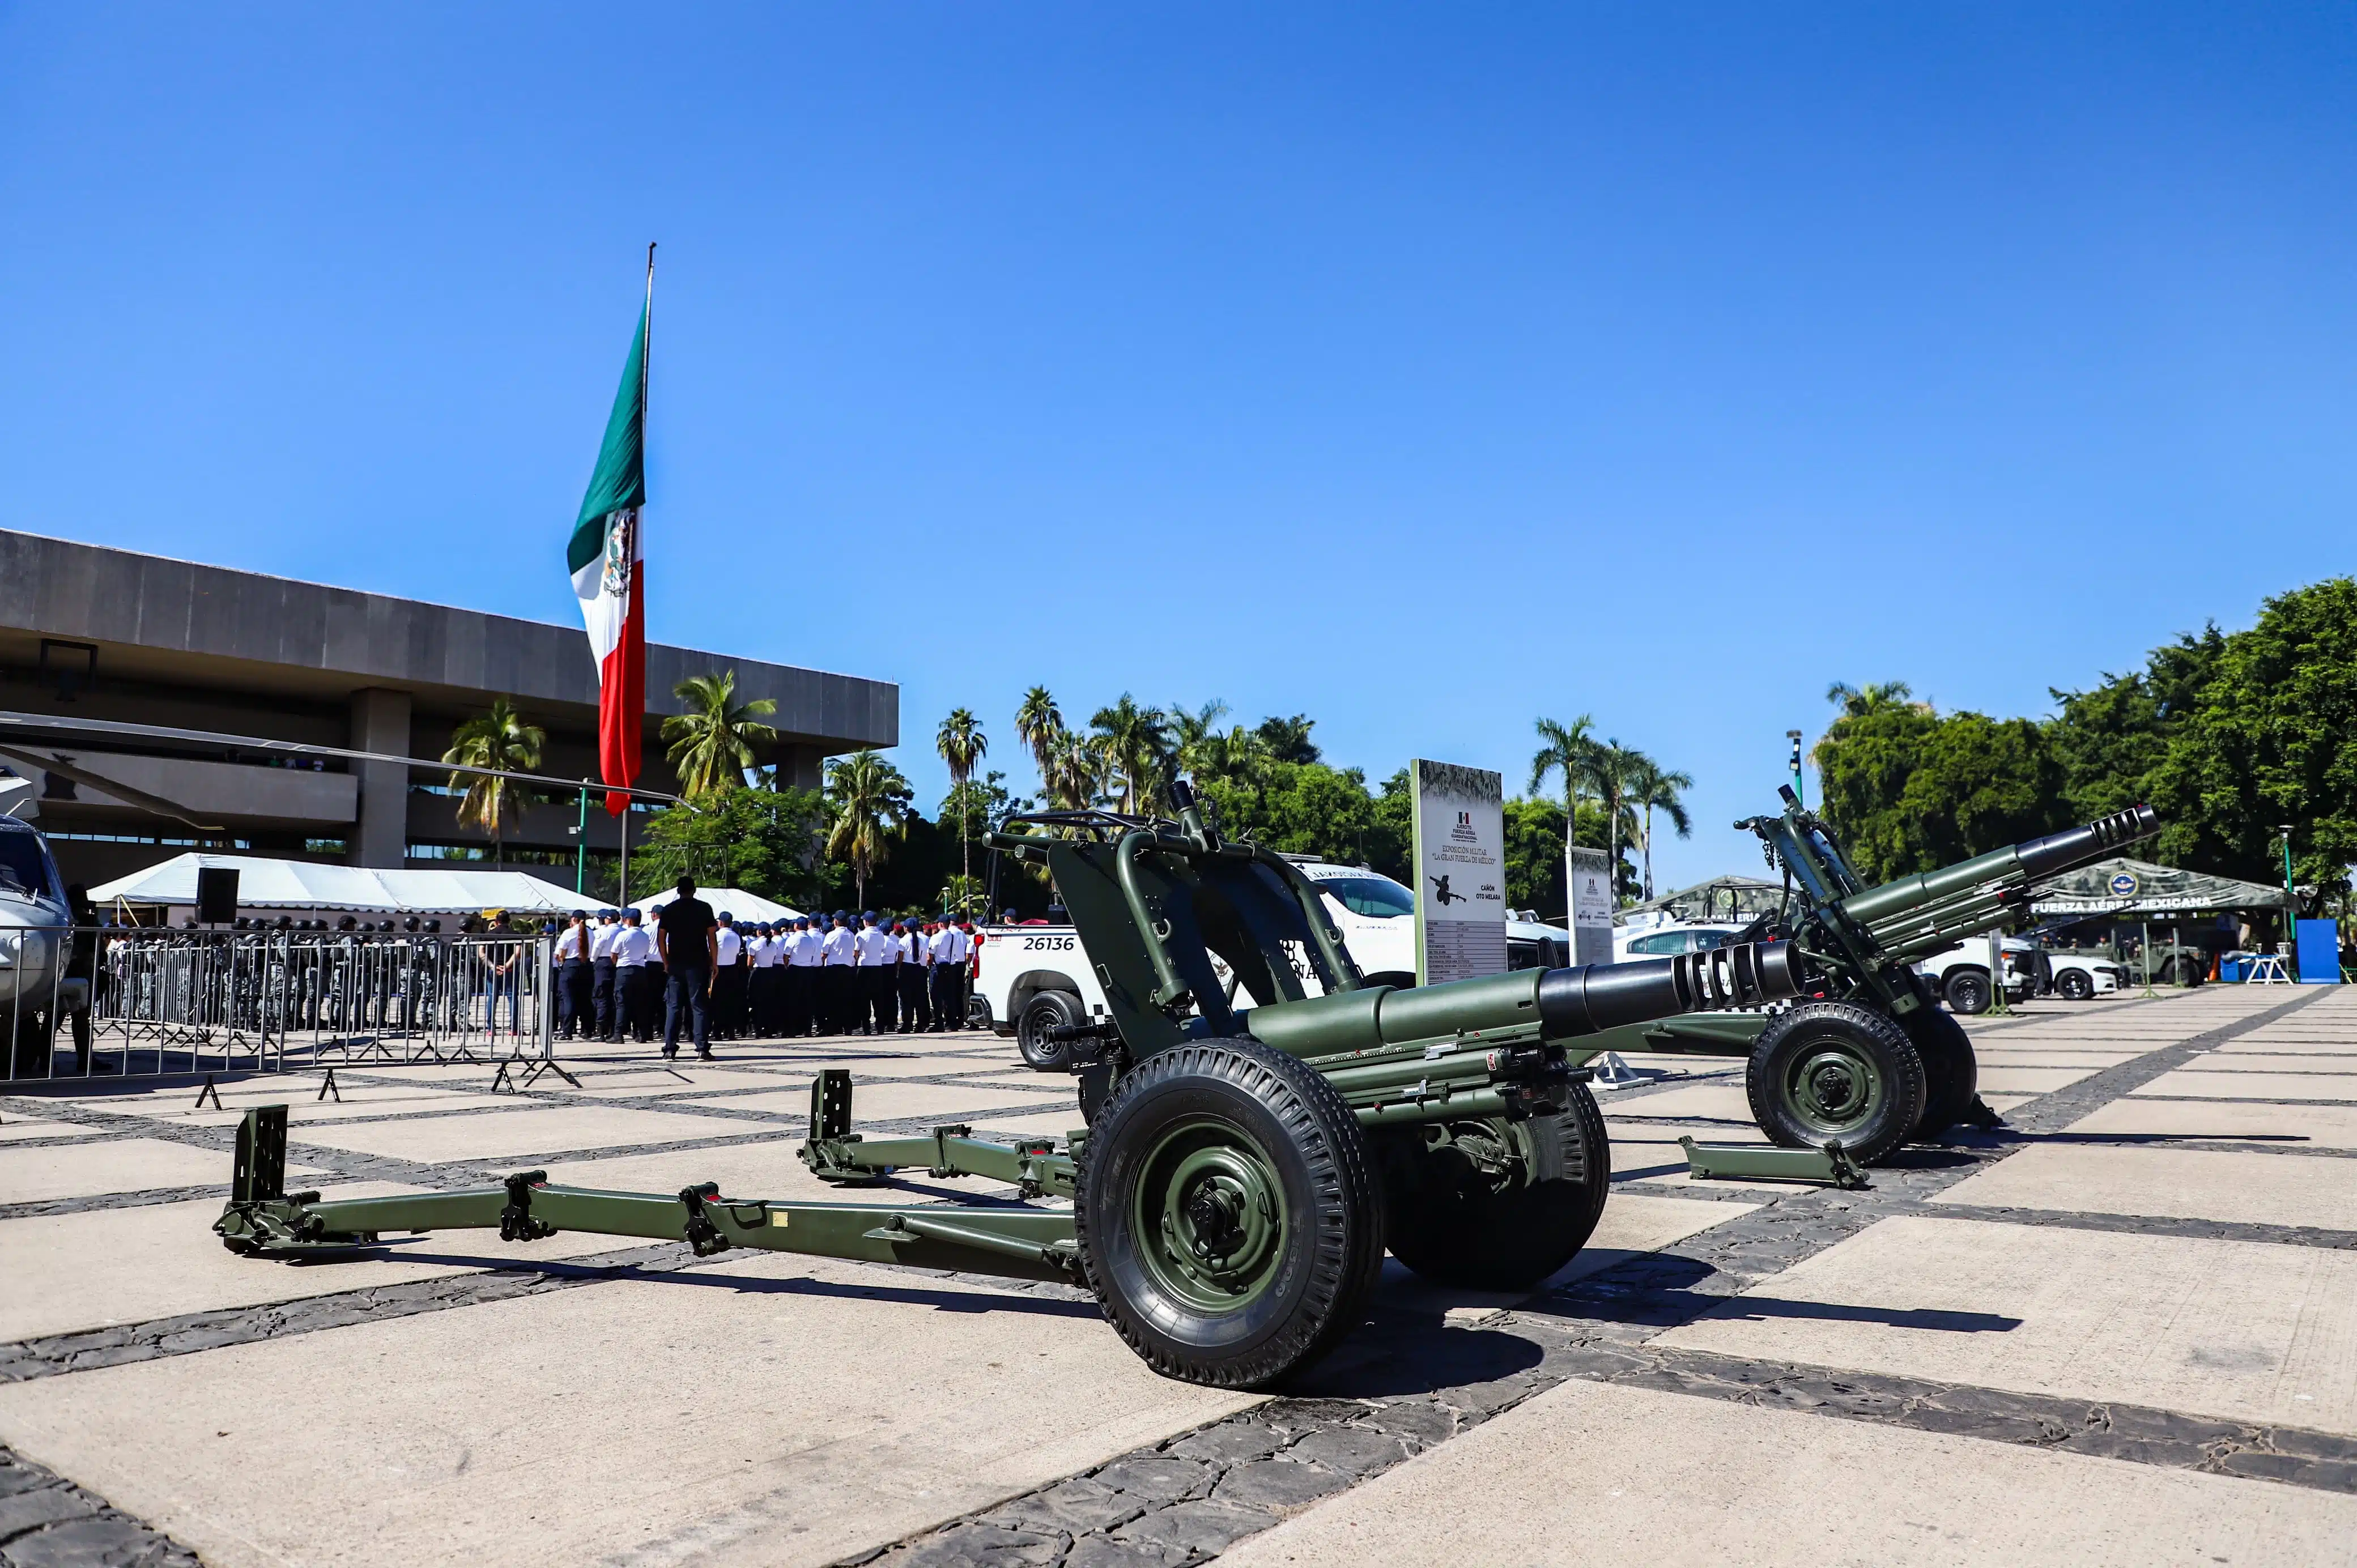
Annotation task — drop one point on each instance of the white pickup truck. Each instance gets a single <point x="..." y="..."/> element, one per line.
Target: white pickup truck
<point x="1961" y="974"/>
<point x="1031" y="979"/>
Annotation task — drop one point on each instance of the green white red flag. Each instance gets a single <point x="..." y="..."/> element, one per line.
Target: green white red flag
<point x="607" y="561"/>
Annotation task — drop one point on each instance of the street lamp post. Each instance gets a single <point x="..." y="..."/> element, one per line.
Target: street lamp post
<point x="1794" y="736"/>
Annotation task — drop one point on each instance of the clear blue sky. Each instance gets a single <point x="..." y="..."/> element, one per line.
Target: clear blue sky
<point x="1424" y="369"/>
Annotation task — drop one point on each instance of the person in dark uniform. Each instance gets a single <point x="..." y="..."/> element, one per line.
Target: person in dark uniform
<point x="685" y="939"/>
<point x="605" y="1013"/>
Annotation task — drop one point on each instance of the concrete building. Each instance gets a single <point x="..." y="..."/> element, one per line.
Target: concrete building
<point x="110" y="634"/>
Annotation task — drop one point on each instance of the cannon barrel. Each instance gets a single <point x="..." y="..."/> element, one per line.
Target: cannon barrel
<point x="1919" y="915"/>
<point x="1553" y="1004"/>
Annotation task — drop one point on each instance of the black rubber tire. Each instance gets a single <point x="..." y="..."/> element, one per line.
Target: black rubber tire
<point x="1048" y="1010"/>
<point x="2073" y="985"/>
<point x="1455" y="1227"/>
<point x="1952" y="1073"/>
<point x="1327" y="1255"/>
<point x="1827" y="1031"/>
<point x="1968" y="991"/>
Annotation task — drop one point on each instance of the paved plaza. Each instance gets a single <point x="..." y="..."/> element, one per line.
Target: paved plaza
<point x="2122" y="1329"/>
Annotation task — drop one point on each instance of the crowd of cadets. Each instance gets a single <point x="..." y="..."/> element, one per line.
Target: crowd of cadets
<point x="811" y="975"/>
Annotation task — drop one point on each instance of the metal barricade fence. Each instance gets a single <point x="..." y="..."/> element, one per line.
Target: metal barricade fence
<point x="112" y="1000"/>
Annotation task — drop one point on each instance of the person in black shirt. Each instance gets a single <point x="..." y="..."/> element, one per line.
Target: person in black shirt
<point x="686" y="939"/>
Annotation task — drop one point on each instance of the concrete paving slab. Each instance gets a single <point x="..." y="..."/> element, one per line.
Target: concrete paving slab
<point x="886" y="1101"/>
<point x="2232" y="1085"/>
<point x="2011" y="1056"/>
<point x="1561" y="1480"/>
<point x="776" y="1411"/>
<point x="1708" y="1100"/>
<point x="764" y="1170"/>
<point x="864" y="1067"/>
<point x="112" y="1165"/>
<point x="2320" y="1126"/>
<point x="302" y="1111"/>
<point x="689" y="1081"/>
<point x="1057" y="1124"/>
<point x="19" y="1129"/>
<point x="2251" y="1045"/>
<point x="496" y="1134"/>
<point x="2191" y="1183"/>
<point x="2344" y="1063"/>
<point x="2029" y="1081"/>
<point x="62" y="1273"/>
<point x="2242" y="1330"/>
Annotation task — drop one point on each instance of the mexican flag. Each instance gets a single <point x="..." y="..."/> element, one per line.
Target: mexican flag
<point x="608" y="562"/>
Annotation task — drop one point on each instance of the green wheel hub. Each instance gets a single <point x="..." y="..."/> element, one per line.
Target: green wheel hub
<point x="1832" y="1086"/>
<point x="1211" y="1215"/>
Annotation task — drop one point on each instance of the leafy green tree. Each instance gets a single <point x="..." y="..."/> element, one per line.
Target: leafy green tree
<point x="498" y="738"/>
<point x="710" y="744"/>
<point x="1288" y="740"/>
<point x="2271" y="738"/>
<point x="1300" y="808"/>
<point x="2112" y="740"/>
<point x="1192" y="732"/>
<point x="868" y="802"/>
<point x="763" y="841"/>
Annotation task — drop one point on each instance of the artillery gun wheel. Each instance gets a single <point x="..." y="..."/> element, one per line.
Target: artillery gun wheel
<point x="1493" y="1204"/>
<point x="1229" y="1216"/>
<point x="1951" y="1074"/>
<point x="1836" y="1070"/>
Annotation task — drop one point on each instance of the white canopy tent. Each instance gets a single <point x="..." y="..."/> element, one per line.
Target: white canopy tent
<point x="264" y="882"/>
<point x="745" y="908"/>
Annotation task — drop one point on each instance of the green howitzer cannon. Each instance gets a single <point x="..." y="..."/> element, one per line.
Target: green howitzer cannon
<point x="1244" y="1166"/>
<point x="1870" y="1060"/>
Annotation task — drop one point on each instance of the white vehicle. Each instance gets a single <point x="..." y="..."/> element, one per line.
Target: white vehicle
<point x="1667" y="939"/>
<point x="2079" y="976"/>
<point x="33" y="917"/>
<point x="1961" y="974"/>
<point x="1031" y="978"/>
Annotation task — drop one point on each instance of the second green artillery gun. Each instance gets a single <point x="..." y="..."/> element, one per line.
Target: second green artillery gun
<point x="1243" y="1168"/>
<point x="1868" y="1059"/>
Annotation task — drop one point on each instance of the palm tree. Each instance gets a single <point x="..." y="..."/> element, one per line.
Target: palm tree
<point x="1074" y="772"/>
<point x="1136" y="745"/>
<point x="962" y="744"/>
<point x="1040" y="724"/>
<point x="1858" y="701"/>
<point x="496" y="739"/>
<point x="867" y="801"/>
<point x="1191" y="734"/>
<point x="1607" y="769"/>
<point x="712" y="743"/>
<point x="1288" y="740"/>
<point x="1651" y="788"/>
<point x="1564" y="748"/>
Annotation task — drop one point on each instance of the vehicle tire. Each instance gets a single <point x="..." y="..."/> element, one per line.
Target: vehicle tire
<point x="1967" y="991"/>
<point x="1836" y="1070"/>
<point x="2074" y="986"/>
<point x="1493" y="1204"/>
<point x="1048" y="1010"/>
<point x="1952" y="1073"/>
<point x="1230" y="1220"/>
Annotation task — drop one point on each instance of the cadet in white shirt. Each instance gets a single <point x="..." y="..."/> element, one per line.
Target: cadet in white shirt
<point x="838" y="981"/>
<point x="634" y="948"/>
<point x="804" y="950"/>
<point x="607" y="1016"/>
<point x="573" y="994"/>
<point x="945" y="950"/>
<point x="769" y="953"/>
<point x="874" y="950"/>
<point x="729" y="979"/>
